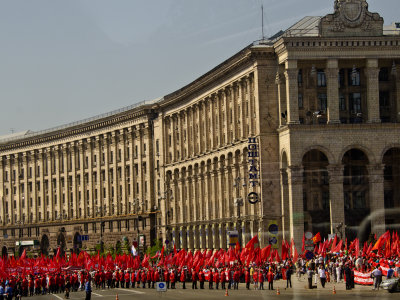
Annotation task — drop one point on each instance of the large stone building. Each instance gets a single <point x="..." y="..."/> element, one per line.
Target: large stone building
<point x="303" y="124"/>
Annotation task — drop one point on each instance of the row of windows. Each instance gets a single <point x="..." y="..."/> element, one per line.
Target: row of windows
<point x="353" y="77"/>
<point x="77" y="157"/>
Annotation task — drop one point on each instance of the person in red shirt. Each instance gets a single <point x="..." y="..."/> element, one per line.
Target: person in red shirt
<point x="222" y="279"/>
<point x="156" y="277"/>
<point x="255" y="279"/>
<point x="183" y="279"/>
<point x="201" y="279"/>
<point x="210" y="280"/>
<point x="194" y="279"/>
<point x="25" y="285"/>
<point x="247" y="279"/>
<point x="138" y="277"/>
<point x="236" y="279"/>
<point x="216" y="279"/>
<point x="133" y="279"/>
<point x="127" y="279"/>
<point x="172" y="278"/>
<point x="261" y="279"/>
<point x="149" y="278"/>
<point x="166" y="277"/>
<point x="31" y="285"/>
<point x="143" y="278"/>
<point x="270" y="278"/>
<point x="42" y="285"/>
<point x="122" y="278"/>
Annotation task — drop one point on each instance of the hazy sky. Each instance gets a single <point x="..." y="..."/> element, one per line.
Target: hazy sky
<point x="66" y="60"/>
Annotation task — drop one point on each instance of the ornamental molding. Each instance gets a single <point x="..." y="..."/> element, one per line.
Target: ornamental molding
<point x="351" y="18"/>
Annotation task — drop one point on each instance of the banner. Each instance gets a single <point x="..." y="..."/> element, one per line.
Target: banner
<point x="363" y="278"/>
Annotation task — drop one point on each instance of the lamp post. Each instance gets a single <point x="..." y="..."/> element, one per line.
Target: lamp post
<point x="238" y="202"/>
<point x="166" y="196"/>
<point x="100" y="212"/>
<point x="20" y="224"/>
<point x="136" y="207"/>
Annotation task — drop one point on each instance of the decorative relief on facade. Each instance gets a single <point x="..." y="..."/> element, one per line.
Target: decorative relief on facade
<point x="351" y="18"/>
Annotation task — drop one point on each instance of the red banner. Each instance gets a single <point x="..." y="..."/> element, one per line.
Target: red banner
<point x="363" y="278"/>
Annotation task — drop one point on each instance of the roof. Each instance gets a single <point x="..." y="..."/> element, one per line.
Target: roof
<point x="308" y="26"/>
<point x="16" y="135"/>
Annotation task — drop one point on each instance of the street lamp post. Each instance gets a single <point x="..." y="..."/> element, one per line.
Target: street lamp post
<point x="20" y="224"/>
<point x="238" y="202"/>
<point x="166" y="195"/>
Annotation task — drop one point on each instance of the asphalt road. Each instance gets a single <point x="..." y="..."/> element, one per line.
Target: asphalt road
<point x="298" y="292"/>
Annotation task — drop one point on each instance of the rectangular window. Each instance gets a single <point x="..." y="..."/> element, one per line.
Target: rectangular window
<point x="342" y="102"/>
<point x="354" y="77"/>
<point x="321" y="78"/>
<point x="384" y="99"/>
<point x="355" y="102"/>
<point x="300" y="78"/>
<point x="322" y="102"/>
<point x="300" y="101"/>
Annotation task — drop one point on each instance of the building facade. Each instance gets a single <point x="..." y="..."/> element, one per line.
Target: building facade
<point x="299" y="132"/>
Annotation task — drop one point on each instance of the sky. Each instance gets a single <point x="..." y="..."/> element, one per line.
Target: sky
<point x="62" y="61"/>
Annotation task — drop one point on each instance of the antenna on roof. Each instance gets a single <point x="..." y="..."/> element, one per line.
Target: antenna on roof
<point x="262" y="21"/>
<point x="12" y="130"/>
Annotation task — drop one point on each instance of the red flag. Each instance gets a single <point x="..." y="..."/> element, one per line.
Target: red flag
<point x="237" y="248"/>
<point x="265" y="252"/>
<point x="381" y="241"/>
<point x="303" y="246"/>
<point x="357" y="247"/>
<point x="250" y="244"/>
<point x="296" y="255"/>
<point x="317" y="238"/>
<point x="338" y="247"/>
<point x="23" y="256"/>
<point x="285" y="249"/>
<point x="334" y="242"/>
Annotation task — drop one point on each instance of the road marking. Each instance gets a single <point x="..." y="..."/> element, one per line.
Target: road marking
<point x="57" y="296"/>
<point x="97" y="294"/>
<point x="132" y="291"/>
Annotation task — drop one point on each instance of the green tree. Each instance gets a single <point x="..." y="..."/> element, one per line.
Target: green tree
<point x="153" y="250"/>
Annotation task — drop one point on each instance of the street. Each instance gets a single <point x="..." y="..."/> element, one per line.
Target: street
<point x="298" y="292"/>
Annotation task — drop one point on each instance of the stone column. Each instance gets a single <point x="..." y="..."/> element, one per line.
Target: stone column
<point x="82" y="185"/>
<point x="234" y="91"/>
<point x="398" y="95"/>
<point x="92" y="209"/>
<point x="50" y="206"/>
<point x="252" y="105"/>
<point x="226" y="117"/>
<point x="2" y="194"/>
<point x="42" y="207"/>
<point x="58" y="206"/>
<point x="285" y="205"/>
<point x="124" y="199"/>
<point x="336" y="197"/>
<point x="332" y="72"/>
<point x="292" y="92"/>
<point x="27" y="194"/>
<point x="17" y="169"/>
<point x="295" y="185"/>
<point x="372" y="74"/>
<point x="181" y="196"/>
<point x="221" y="205"/>
<point x="280" y="82"/>
<point x="376" y="196"/>
<point x="66" y="188"/>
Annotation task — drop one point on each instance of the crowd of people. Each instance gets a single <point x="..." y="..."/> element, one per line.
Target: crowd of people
<point x="318" y="270"/>
<point x="331" y="261"/>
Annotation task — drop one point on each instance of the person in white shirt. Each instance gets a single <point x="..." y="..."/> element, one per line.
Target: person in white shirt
<point x="377" y="273"/>
<point x="338" y="273"/>
<point x="322" y="275"/>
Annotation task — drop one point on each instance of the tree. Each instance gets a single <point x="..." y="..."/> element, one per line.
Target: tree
<point x="153" y="250"/>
